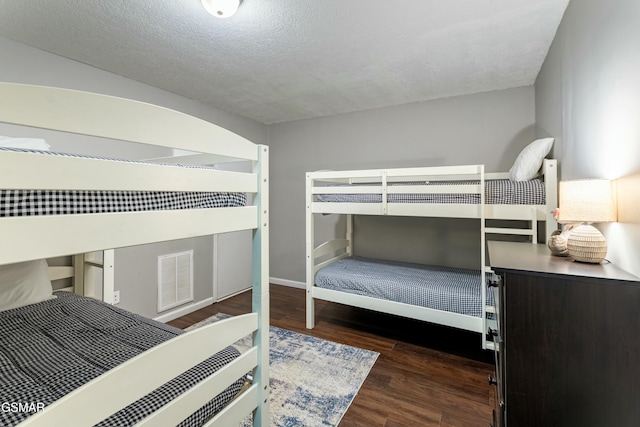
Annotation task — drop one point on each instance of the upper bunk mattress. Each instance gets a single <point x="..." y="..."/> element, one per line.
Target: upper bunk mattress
<point x="66" y="202"/>
<point x="443" y="288"/>
<point x="52" y="347"/>
<point x="497" y="192"/>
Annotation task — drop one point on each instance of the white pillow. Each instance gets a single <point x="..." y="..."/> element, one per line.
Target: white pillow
<point x="530" y="160"/>
<point x="26" y="143"/>
<point x="24" y="283"/>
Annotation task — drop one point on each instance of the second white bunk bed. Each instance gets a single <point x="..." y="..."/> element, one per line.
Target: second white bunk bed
<point x="438" y="294"/>
<point x="44" y="332"/>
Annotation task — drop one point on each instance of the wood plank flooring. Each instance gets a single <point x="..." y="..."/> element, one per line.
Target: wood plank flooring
<point x="426" y="375"/>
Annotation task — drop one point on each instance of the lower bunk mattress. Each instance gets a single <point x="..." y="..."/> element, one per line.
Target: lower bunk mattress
<point x="443" y="288"/>
<point x="55" y="346"/>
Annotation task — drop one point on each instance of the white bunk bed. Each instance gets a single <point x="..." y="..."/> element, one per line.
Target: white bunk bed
<point x="335" y="274"/>
<point x="36" y="235"/>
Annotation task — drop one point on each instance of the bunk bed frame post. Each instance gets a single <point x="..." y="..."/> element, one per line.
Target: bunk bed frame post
<point x="484" y="269"/>
<point x="349" y="234"/>
<point x="551" y="194"/>
<point x="260" y="294"/>
<point x="108" y="275"/>
<point x="82" y="283"/>
<point x="78" y="274"/>
<point x="310" y="260"/>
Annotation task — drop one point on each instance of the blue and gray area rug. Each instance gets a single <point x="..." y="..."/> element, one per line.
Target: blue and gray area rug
<point x="312" y="381"/>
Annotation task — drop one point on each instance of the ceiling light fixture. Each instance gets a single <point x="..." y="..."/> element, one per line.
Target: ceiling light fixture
<point x="221" y="8"/>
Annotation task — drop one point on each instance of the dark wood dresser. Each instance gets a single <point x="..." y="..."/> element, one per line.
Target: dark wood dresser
<point x="568" y="352"/>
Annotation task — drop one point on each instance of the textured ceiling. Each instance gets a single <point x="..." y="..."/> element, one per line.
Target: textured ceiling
<point x="283" y="60"/>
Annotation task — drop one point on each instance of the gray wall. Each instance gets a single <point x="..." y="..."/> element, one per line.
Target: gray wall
<point x="136" y="267"/>
<point x="588" y="96"/>
<point x="489" y="128"/>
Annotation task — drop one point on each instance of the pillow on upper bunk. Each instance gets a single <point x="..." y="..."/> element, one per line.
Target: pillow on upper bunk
<point x="26" y="143"/>
<point x="530" y="160"/>
<point x="24" y="283"/>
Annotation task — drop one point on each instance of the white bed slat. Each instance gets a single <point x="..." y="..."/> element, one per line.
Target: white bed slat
<point x="449" y="210"/>
<point x="440" y="317"/>
<point x="25" y="171"/>
<point x="96" y="400"/>
<point x="434" y="189"/>
<point x="198" y="395"/>
<point x="117" y="118"/>
<point x="347" y="190"/>
<point x="330" y="247"/>
<point x="60" y="272"/>
<point x="434" y="171"/>
<point x="515" y="212"/>
<point x="346" y="208"/>
<point x="237" y="410"/>
<point x="462" y="172"/>
<point x="515" y="231"/>
<point x="496" y="175"/>
<point x="340" y="175"/>
<point x="72" y="234"/>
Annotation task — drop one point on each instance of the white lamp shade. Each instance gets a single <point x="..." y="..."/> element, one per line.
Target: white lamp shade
<point x="587" y="200"/>
<point x="221" y="8"/>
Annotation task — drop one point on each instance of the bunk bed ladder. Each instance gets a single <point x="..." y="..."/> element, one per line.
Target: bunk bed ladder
<point x="483" y="262"/>
<point x="489" y="311"/>
<point x="531" y="230"/>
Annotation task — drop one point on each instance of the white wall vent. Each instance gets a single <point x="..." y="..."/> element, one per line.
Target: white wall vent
<point x="175" y="280"/>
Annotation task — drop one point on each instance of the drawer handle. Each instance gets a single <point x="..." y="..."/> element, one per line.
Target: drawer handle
<point x="493" y="335"/>
<point x="492" y="380"/>
<point x="494" y="283"/>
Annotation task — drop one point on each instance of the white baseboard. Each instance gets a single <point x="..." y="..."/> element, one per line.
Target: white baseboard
<point x="285" y="282"/>
<point x="167" y="317"/>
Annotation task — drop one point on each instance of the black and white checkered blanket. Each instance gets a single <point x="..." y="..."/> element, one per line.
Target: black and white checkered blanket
<point x="65" y="202"/>
<point x="450" y="289"/>
<point x="497" y="192"/>
<point x="51" y="348"/>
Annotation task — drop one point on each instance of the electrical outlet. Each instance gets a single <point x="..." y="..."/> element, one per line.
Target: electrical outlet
<point x="116" y="297"/>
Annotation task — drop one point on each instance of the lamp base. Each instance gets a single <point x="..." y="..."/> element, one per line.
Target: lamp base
<point x="587" y="244"/>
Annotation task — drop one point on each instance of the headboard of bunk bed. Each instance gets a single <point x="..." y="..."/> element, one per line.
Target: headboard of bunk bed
<point x="33" y="236"/>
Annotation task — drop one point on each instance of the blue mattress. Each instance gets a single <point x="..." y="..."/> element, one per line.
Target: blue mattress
<point x="449" y="289"/>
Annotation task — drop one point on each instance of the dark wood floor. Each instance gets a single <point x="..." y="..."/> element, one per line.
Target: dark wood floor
<point x="426" y="375"/>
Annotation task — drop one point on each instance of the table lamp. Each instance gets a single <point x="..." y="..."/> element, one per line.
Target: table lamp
<point x="583" y="202"/>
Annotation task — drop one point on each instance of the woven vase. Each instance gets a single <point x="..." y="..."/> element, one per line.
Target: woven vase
<point x="587" y="244"/>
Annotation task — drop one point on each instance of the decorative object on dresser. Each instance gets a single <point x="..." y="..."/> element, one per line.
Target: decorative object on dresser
<point x="587" y="201"/>
<point x="558" y="241"/>
<point x="568" y="352"/>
